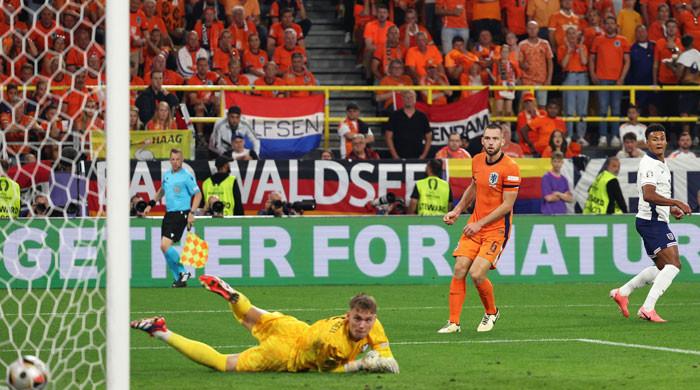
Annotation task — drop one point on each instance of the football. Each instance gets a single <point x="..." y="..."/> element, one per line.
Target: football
<point x="27" y="372"/>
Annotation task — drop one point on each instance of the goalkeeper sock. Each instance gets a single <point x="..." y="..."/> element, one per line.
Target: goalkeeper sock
<point x="196" y="351"/>
<point x="241" y="307"/>
<point x="661" y="283"/>
<point x="173" y="260"/>
<point x="458" y="292"/>
<point x="646" y="276"/>
<point x="485" y="289"/>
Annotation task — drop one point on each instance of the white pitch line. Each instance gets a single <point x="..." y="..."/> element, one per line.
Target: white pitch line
<point x="343" y="309"/>
<point x="640" y="346"/>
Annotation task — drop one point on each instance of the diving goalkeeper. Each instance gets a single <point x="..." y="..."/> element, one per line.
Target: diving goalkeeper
<point x="287" y="344"/>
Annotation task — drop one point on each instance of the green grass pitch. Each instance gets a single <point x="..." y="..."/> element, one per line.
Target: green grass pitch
<point x="549" y="336"/>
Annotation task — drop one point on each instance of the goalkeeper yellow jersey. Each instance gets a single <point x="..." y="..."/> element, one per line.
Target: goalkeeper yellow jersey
<point x="326" y="346"/>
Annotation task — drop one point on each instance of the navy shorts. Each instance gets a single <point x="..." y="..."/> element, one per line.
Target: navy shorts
<point x="656" y="236"/>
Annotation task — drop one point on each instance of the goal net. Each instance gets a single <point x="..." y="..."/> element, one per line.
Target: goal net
<point x="53" y="247"/>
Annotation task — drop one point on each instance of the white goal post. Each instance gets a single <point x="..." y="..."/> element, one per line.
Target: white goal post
<point x="118" y="244"/>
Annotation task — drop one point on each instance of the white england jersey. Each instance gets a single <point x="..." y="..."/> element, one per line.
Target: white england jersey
<point x="655" y="172"/>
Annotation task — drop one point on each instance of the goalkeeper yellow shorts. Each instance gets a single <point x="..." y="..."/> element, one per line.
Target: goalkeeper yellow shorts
<point x="277" y="334"/>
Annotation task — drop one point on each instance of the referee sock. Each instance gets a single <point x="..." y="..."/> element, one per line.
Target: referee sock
<point x="195" y="351"/>
<point x="646" y="276"/>
<point x="458" y="292"/>
<point x="485" y="289"/>
<point x="661" y="283"/>
<point x="241" y="307"/>
<point x="173" y="260"/>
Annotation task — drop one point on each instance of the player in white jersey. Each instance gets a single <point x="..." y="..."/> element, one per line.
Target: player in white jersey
<point x="655" y="205"/>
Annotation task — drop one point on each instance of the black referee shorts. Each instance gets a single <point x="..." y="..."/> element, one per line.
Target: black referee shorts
<point x="174" y="224"/>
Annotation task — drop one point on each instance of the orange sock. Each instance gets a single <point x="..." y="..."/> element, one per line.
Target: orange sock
<point x="486" y="293"/>
<point x="458" y="291"/>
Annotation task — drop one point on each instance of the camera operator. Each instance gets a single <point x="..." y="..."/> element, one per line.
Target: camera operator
<point x="275" y="206"/>
<point x="138" y="206"/>
<point x="222" y="185"/>
<point x="214" y="207"/>
<point x="388" y="204"/>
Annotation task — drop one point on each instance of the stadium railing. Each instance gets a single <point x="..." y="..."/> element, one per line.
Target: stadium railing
<point x="328" y="89"/>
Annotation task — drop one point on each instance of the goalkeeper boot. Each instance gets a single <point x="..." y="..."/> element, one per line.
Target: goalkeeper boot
<point x="216" y="285"/>
<point x="488" y="321"/>
<point x="450" y="327"/>
<point x="621" y="301"/>
<point x="649" y="315"/>
<point x="150" y="325"/>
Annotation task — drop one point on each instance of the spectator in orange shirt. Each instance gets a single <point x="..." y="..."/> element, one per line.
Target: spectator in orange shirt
<point x="393" y="50"/>
<point x="514" y="17"/>
<point x="255" y="58"/>
<point x="170" y="77"/>
<point x="375" y="35"/>
<point x="44" y="29"/>
<point x="487" y="51"/>
<point x="299" y="75"/>
<point x="418" y="56"/>
<point x="152" y="19"/>
<point x="276" y="37"/>
<point x="510" y="148"/>
<point x="163" y="119"/>
<point x="74" y="100"/>
<point x="560" y="22"/>
<point x="593" y="30"/>
<point x="234" y="76"/>
<point x="283" y="54"/>
<point x="573" y="57"/>
<point x="557" y="143"/>
<point x="689" y="20"/>
<point x="410" y="28"/>
<point x="537" y="132"/>
<point x="650" y="10"/>
<point x="203" y="103"/>
<point x="395" y="76"/>
<point x="459" y="59"/>
<point x="474" y="77"/>
<point x="608" y="65"/>
<point x="434" y="77"/>
<point x="486" y="15"/>
<point x="350" y="127"/>
<point x="269" y="79"/>
<point x="297" y="8"/>
<point x="540" y="11"/>
<point x="454" y="21"/>
<point x="453" y="149"/>
<point x="241" y="28"/>
<point x="536" y="61"/>
<point x="209" y="29"/>
<point x="224" y="52"/>
<point x="155" y="44"/>
<point x="657" y="29"/>
<point x="505" y="71"/>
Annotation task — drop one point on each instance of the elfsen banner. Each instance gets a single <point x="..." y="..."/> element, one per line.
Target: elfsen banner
<point x="340" y="250"/>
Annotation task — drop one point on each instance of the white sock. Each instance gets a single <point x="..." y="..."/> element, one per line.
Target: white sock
<point x="646" y="276"/>
<point x="661" y="283"/>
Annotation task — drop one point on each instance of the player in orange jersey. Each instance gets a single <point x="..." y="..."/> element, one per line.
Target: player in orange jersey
<point x="495" y="183"/>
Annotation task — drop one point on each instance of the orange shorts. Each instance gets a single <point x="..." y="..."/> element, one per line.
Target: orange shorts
<point x="487" y="245"/>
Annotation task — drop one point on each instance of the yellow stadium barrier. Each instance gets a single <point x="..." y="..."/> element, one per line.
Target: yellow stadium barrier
<point x="328" y="89"/>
